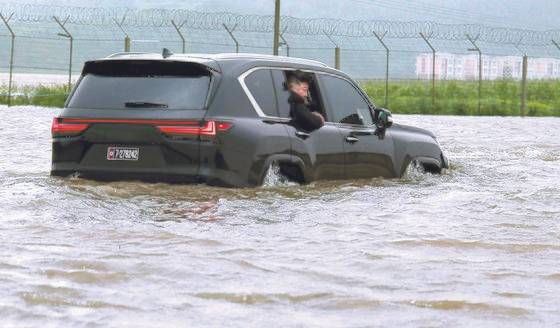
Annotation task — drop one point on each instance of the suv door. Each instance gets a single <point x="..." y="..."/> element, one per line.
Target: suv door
<point x="320" y="150"/>
<point x="366" y="155"/>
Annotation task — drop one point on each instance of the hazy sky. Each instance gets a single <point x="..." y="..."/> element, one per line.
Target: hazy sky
<point x="531" y="14"/>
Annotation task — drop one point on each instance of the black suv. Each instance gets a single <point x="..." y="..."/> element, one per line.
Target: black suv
<point x="224" y="120"/>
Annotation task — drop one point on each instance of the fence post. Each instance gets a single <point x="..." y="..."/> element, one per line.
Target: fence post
<point x="126" y="36"/>
<point x="337" y="57"/>
<point x="230" y="32"/>
<point x="284" y="42"/>
<point x="524" y="68"/>
<point x="427" y="40"/>
<point x="336" y="51"/>
<point x="524" y="86"/>
<point x="277" y="36"/>
<point x="67" y="34"/>
<point x="6" y="21"/>
<point x="477" y="49"/>
<point x="127" y="44"/>
<point x="380" y="37"/>
<point x="178" y="29"/>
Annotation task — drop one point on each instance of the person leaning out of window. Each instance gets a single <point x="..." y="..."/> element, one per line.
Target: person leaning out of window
<point x="302" y="111"/>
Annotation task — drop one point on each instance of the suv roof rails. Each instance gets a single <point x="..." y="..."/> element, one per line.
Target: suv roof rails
<point x="268" y="57"/>
<point x="222" y="56"/>
<point x="121" y="54"/>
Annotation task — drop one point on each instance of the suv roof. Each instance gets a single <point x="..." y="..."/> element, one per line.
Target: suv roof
<point x="242" y="58"/>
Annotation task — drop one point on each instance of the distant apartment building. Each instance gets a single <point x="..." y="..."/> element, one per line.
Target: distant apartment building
<point x="465" y="67"/>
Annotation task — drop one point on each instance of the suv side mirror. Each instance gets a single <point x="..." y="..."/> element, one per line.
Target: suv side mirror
<point x="383" y="118"/>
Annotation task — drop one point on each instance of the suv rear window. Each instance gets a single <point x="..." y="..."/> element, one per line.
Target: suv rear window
<point x="112" y="85"/>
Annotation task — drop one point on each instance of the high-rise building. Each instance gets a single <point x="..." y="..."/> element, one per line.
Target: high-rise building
<point x="465" y="67"/>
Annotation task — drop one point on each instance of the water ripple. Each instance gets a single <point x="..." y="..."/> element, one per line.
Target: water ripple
<point x="475" y="246"/>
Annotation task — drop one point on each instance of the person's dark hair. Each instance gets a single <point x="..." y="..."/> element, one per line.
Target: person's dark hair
<point x="299" y="77"/>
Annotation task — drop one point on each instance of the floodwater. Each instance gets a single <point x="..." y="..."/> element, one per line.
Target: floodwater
<point x="476" y="246"/>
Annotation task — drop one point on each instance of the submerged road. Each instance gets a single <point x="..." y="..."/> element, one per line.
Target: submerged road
<point x="477" y="246"/>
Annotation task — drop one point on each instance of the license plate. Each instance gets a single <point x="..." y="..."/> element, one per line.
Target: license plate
<point x="122" y="154"/>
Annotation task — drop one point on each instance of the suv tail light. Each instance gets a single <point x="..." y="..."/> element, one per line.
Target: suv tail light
<point x="210" y="129"/>
<point x="69" y="127"/>
<point x="61" y="129"/>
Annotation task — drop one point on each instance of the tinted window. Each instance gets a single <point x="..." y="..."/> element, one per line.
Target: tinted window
<point x="259" y="84"/>
<point x="114" y="92"/>
<point x="282" y="93"/>
<point x="346" y="103"/>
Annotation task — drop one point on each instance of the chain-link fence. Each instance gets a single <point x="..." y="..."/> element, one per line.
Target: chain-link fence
<point x="409" y="67"/>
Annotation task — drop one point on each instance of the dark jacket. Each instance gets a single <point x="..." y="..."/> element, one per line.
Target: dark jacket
<point x="301" y="114"/>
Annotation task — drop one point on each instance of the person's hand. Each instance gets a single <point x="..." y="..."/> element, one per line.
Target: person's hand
<point x="320" y="116"/>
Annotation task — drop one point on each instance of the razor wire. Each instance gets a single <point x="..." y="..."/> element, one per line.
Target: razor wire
<point x="158" y="18"/>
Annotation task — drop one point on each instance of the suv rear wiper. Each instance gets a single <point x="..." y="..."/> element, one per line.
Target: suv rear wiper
<point x="143" y="104"/>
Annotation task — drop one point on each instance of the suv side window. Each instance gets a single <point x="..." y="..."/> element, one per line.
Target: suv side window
<point x="260" y="85"/>
<point x="346" y="103"/>
<point x="282" y="93"/>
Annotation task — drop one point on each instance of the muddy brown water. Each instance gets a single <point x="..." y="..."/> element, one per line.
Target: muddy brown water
<point x="476" y="246"/>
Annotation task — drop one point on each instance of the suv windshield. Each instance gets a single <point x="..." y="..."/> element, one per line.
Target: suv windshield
<point x="126" y="88"/>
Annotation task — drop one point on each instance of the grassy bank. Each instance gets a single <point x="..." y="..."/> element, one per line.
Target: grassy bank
<point x="405" y="97"/>
<point x="461" y="97"/>
<point x="41" y="95"/>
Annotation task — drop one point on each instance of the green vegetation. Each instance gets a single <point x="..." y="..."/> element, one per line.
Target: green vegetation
<point x="41" y="95"/>
<point x="500" y="97"/>
<point x="405" y="97"/>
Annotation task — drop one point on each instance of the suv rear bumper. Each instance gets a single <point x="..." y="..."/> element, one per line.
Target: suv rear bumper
<point x="113" y="176"/>
<point x="64" y="169"/>
<point x="211" y="176"/>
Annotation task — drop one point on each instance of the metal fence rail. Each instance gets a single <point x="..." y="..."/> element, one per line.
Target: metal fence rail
<point x="58" y="39"/>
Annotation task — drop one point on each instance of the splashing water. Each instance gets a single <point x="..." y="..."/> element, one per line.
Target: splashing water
<point x="414" y="171"/>
<point x="274" y="177"/>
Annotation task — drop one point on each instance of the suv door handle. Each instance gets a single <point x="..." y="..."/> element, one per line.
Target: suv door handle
<point x="276" y="121"/>
<point x="351" y="139"/>
<point x="363" y="133"/>
<point x="303" y="135"/>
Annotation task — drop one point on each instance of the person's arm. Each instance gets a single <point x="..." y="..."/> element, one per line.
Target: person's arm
<point x="303" y="115"/>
